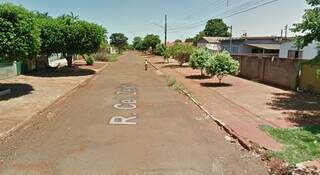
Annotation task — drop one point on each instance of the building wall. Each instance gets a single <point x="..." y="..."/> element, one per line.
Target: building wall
<point x="309" y="52"/>
<point x="7" y="70"/>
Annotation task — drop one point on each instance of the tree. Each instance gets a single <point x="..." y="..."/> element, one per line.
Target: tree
<point x="151" y="41"/>
<point x="216" y="28"/>
<point x="119" y="40"/>
<point x="160" y="49"/>
<point x="136" y="42"/>
<point x="178" y="41"/>
<point x="197" y="38"/>
<point x="19" y="33"/>
<point x="221" y="65"/>
<point x="181" y="52"/>
<point x="309" y="25"/>
<point x="199" y="59"/>
<point x="188" y="40"/>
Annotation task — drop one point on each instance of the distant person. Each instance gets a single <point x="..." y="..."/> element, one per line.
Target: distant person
<point x="145" y="64"/>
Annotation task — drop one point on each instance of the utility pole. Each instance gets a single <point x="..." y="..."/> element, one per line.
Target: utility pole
<point x="286" y="31"/>
<point x="230" y="40"/>
<point x="165" y="30"/>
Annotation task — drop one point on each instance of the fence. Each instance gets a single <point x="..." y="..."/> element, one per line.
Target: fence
<point x="7" y="70"/>
<point x="310" y="77"/>
<point x="277" y="71"/>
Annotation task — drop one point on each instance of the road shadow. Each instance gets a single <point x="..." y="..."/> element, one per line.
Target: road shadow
<point x="198" y="77"/>
<point x="215" y="85"/>
<point x="303" y="109"/>
<point x="17" y="90"/>
<point x="171" y="66"/>
<point x="62" y="72"/>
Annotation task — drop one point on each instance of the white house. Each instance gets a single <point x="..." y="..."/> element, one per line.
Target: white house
<point x="289" y="50"/>
<point x="211" y="43"/>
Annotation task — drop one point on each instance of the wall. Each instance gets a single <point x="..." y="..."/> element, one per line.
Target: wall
<point x="7" y="70"/>
<point x="310" y="78"/>
<point x="277" y="71"/>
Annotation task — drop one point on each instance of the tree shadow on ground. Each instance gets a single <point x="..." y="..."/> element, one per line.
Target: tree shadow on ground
<point x="174" y="66"/>
<point x="215" y="85"/>
<point x="198" y="77"/>
<point x="303" y="109"/>
<point x="62" y="72"/>
<point x="17" y="90"/>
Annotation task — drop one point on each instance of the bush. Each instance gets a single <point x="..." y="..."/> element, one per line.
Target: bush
<point x="222" y="64"/>
<point x="160" y="49"/>
<point x="181" y="52"/>
<point x="89" y="60"/>
<point x="199" y="59"/>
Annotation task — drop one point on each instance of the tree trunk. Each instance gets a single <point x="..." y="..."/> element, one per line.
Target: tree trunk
<point x="202" y="74"/>
<point x="69" y="60"/>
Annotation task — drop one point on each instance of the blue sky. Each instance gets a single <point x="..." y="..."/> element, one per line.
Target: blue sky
<point x="185" y="17"/>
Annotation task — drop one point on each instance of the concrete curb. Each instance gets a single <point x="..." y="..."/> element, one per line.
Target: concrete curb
<point x="242" y="141"/>
<point x="27" y="121"/>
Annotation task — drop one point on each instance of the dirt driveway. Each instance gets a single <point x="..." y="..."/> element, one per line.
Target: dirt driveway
<point x="126" y="121"/>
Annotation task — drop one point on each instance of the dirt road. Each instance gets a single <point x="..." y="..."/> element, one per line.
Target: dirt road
<point x="126" y="121"/>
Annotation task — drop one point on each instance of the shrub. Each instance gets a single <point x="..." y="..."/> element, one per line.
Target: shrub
<point x="181" y="52"/>
<point x="222" y="64"/>
<point x="199" y="59"/>
<point x="89" y="60"/>
<point x="160" y="49"/>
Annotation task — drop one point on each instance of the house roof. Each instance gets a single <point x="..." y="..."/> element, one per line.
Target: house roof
<point x="218" y="39"/>
<point x="213" y="39"/>
<point x="266" y="46"/>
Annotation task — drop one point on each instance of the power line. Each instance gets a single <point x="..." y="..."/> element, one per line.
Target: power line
<point x="228" y="16"/>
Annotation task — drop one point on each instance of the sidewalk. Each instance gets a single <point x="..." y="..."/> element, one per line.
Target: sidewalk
<point x="241" y="104"/>
<point x="33" y="93"/>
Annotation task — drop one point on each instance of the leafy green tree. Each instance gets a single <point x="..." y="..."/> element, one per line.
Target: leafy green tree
<point x="310" y="25"/>
<point x="178" y="41"/>
<point x="151" y="41"/>
<point x="216" y="28"/>
<point x="136" y="42"/>
<point x="119" y="40"/>
<point x="160" y="49"/>
<point x="199" y="59"/>
<point x="181" y="52"/>
<point x="197" y="38"/>
<point x="19" y="33"/>
<point x="221" y="65"/>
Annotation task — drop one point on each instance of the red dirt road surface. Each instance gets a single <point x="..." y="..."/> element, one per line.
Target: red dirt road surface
<point x="154" y="130"/>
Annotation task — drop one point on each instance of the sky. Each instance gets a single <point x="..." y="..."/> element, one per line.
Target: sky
<point x="186" y="18"/>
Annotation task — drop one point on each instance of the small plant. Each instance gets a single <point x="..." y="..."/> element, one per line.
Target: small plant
<point x="89" y="60"/>
<point x="171" y="81"/>
<point x="221" y="65"/>
<point x="199" y="59"/>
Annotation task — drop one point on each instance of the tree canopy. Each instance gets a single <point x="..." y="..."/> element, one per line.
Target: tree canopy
<point x="19" y="33"/>
<point x="119" y="40"/>
<point x="199" y="58"/>
<point x="151" y="41"/>
<point x="216" y="28"/>
<point x="309" y="25"/>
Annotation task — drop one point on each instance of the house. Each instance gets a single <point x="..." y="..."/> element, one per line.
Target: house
<point x="289" y="50"/>
<point x="266" y="46"/>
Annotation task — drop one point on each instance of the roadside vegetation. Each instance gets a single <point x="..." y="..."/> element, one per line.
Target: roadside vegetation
<point x="33" y="34"/>
<point x="173" y="83"/>
<point x="301" y="144"/>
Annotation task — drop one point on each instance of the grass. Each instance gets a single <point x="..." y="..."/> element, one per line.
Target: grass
<point x="172" y="82"/>
<point x="301" y="144"/>
<point x="106" y="57"/>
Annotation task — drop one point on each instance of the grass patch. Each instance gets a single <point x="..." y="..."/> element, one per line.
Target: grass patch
<point x="106" y="57"/>
<point x="172" y="82"/>
<point x="301" y="144"/>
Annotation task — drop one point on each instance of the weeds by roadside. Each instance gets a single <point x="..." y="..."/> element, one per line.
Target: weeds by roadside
<point x="172" y="82"/>
<point x="301" y="144"/>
